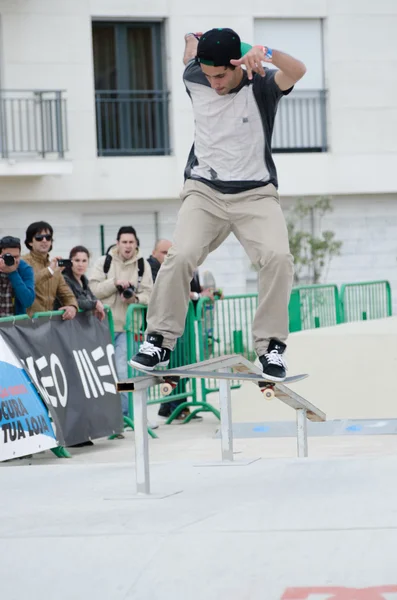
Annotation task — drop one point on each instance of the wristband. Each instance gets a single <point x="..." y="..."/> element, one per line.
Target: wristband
<point x="50" y="270"/>
<point x="268" y="52"/>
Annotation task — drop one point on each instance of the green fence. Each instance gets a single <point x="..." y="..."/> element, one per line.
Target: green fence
<point x="224" y="327"/>
<point x="365" y="300"/>
<point x="313" y="306"/>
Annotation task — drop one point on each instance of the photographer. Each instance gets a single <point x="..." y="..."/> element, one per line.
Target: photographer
<point x="49" y="282"/>
<point x="16" y="279"/>
<point x="120" y="278"/>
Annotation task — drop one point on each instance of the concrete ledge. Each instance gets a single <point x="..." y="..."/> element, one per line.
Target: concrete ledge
<point x="35" y="168"/>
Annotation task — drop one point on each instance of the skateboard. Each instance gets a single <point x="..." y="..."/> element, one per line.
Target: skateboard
<point x="171" y="377"/>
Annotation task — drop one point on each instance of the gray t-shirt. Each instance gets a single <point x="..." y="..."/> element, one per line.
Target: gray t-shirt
<point x="232" y="142"/>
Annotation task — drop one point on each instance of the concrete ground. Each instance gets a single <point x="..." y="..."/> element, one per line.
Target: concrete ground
<point x="277" y="528"/>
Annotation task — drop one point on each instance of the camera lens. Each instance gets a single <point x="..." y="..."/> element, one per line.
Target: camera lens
<point x="9" y="260"/>
<point x="128" y="292"/>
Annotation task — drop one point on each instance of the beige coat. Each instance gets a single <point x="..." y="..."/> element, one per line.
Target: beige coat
<point x="104" y="285"/>
<point x="48" y="287"/>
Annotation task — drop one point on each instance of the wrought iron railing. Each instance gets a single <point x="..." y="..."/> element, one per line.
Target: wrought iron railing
<point x="32" y="123"/>
<point x="301" y="122"/>
<point x="132" y="122"/>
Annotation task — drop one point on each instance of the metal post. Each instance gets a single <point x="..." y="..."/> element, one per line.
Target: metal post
<point x="301" y="432"/>
<point x="59" y="124"/>
<point x="3" y="126"/>
<point x="141" y="443"/>
<point x="42" y="125"/>
<point x="102" y="238"/>
<point x="226" y="418"/>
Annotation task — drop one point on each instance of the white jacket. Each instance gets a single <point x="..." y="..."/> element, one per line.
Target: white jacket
<point x="103" y="285"/>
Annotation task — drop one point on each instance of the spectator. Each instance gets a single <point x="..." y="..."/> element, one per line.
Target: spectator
<point x="49" y="282"/>
<point x="120" y="278"/>
<point x="158" y="255"/>
<point x="16" y="279"/>
<point x="78" y="282"/>
<point x="197" y="291"/>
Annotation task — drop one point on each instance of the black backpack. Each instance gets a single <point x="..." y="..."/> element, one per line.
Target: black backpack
<point x="141" y="267"/>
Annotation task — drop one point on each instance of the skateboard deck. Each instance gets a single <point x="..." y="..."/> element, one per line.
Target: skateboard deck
<point x="171" y="377"/>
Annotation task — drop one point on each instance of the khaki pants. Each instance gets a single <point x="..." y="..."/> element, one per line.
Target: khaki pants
<point x="205" y="220"/>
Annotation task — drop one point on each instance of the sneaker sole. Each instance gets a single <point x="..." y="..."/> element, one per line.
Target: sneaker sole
<point x="275" y="379"/>
<point x="142" y="367"/>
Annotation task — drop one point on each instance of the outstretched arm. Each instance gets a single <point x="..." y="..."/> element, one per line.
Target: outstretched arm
<point x="290" y="69"/>
<point x="191" y="41"/>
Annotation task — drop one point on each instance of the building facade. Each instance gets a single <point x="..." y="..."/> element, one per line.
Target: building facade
<point x="95" y="123"/>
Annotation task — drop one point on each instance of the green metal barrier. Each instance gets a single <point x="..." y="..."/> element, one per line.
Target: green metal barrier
<point x="225" y="327"/>
<point x="366" y="300"/>
<point x="183" y="354"/>
<point x="313" y="306"/>
<point x="14" y="318"/>
<point x="110" y="321"/>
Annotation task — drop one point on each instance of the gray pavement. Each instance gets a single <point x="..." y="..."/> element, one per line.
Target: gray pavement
<point x="74" y="528"/>
<point x="279" y="528"/>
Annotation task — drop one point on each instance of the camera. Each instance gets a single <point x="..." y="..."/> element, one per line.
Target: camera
<point x="126" y="292"/>
<point x="9" y="260"/>
<point x="65" y="262"/>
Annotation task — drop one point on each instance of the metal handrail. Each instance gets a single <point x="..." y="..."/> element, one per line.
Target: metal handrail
<point x="32" y="123"/>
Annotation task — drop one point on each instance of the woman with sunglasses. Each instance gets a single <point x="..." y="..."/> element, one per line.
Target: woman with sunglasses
<point x="49" y="281"/>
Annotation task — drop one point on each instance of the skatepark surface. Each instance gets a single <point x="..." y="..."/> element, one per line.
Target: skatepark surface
<point x="269" y="526"/>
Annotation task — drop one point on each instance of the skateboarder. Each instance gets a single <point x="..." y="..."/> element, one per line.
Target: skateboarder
<point x="230" y="186"/>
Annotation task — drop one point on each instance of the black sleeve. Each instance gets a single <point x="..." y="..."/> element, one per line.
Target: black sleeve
<point x="85" y="302"/>
<point x="89" y="299"/>
<point x="269" y="87"/>
<point x="194" y="74"/>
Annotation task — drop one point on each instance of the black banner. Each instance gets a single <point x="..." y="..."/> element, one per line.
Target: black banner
<point x="72" y="365"/>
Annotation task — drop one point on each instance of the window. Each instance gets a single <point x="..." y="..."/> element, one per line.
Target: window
<point x="301" y="119"/>
<point x="130" y="94"/>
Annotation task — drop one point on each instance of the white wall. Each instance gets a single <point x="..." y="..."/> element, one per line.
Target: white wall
<point x="47" y="44"/>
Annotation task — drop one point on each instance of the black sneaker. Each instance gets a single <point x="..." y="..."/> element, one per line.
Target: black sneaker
<point x="273" y="362"/>
<point x="151" y="354"/>
<point x="164" y="411"/>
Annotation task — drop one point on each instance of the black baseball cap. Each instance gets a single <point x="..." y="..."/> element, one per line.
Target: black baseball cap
<point x="218" y="47"/>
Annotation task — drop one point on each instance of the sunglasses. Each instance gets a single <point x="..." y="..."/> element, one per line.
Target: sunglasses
<point x="40" y="238"/>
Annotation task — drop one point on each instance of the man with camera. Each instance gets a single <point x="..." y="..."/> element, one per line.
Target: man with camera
<point x="120" y="278"/>
<point x="16" y="279"/>
<point x="49" y="282"/>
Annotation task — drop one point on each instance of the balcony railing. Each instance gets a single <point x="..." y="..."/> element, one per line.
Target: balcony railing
<point x="301" y="122"/>
<point x="132" y="122"/>
<point x="32" y="124"/>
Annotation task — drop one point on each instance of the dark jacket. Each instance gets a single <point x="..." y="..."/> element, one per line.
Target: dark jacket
<point x="155" y="266"/>
<point x="84" y="296"/>
<point x="22" y="282"/>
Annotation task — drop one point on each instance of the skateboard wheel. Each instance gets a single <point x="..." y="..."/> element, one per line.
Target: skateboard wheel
<point x="269" y="394"/>
<point x="166" y="389"/>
